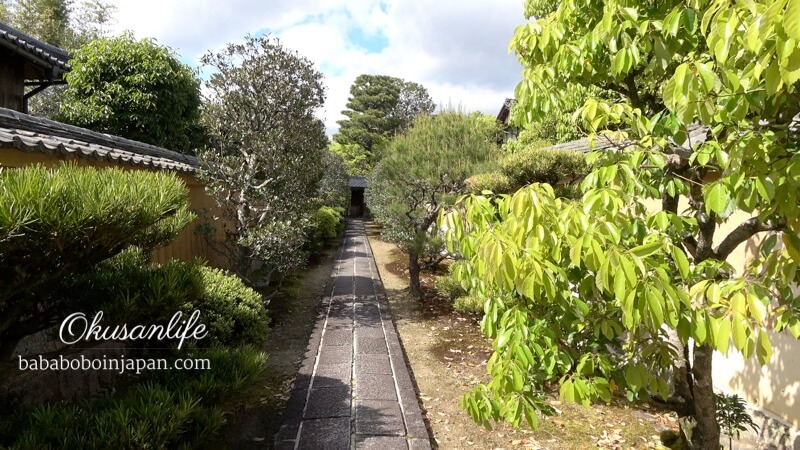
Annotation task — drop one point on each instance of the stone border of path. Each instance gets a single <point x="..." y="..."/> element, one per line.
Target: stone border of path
<point x="353" y="389"/>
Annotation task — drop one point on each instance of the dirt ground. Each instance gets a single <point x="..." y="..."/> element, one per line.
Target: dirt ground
<point x="447" y="354"/>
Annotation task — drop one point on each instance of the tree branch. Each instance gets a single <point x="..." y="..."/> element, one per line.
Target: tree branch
<point x="743" y="232"/>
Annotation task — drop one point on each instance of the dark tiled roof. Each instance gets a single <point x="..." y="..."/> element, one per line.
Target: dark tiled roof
<point x="505" y="110"/>
<point x="697" y="134"/>
<point x="357" y="181"/>
<point x="34" y="134"/>
<point x="38" y="52"/>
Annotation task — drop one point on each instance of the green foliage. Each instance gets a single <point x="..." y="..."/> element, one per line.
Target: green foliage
<point x="528" y="162"/>
<point x="234" y="313"/>
<point x="608" y="270"/>
<point x="65" y="24"/>
<point x="327" y="223"/>
<point x="449" y="288"/>
<point x="357" y="159"/>
<point x="174" y="409"/>
<point x="379" y="107"/>
<point x="468" y="304"/>
<point x="496" y="182"/>
<point x="333" y="190"/>
<point x="56" y="223"/>
<point x="527" y="139"/>
<point x="134" y="89"/>
<point x="130" y="290"/>
<point x="265" y="159"/>
<point x="542" y="165"/>
<point x="732" y="416"/>
<point x="554" y="319"/>
<point x="424" y="169"/>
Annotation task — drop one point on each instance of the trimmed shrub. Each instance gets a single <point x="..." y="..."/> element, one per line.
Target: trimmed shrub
<point x="58" y="223"/>
<point x="327" y="223"/>
<point x="234" y="313"/>
<point x="543" y="166"/>
<point x="449" y="287"/>
<point x="497" y="182"/>
<point x="127" y="289"/>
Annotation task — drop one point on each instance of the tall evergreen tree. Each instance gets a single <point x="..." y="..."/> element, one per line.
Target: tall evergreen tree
<point x="370" y="120"/>
<point x="380" y="106"/>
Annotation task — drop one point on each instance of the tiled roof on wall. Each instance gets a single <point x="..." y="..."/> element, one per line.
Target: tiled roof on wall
<point x="35" y="134"/>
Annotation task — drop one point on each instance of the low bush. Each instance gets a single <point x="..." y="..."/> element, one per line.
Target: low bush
<point x="129" y="290"/>
<point x="234" y="313"/>
<point x="327" y="223"/>
<point x="449" y="288"/>
<point x="497" y="182"/>
<point x="468" y="304"/>
<point x="542" y="165"/>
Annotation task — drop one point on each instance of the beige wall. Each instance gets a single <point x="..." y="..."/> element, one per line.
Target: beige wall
<point x="775" y="387"/>
<point x="189" y="243"/>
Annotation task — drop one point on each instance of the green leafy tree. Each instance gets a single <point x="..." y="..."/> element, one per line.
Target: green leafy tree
<point x="356" y="158"/>
<point x="56" y="223"/>
<point x="706" y="92"/>
<point x="333" y="188"/>
<point x="264" y="163"/>
<point x="134" y="89"/>
<point x="423" y="171"/>
<point x="65" y="24"/>
<point x="379" y="107"/>
<point x="47" y="20"/>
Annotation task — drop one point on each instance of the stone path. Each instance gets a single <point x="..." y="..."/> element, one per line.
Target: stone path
<point x="353" y="389"/>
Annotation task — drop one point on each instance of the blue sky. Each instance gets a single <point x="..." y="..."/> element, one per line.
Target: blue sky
<point x="457" y="49"/>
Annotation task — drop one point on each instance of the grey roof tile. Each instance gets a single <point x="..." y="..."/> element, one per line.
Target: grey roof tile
<point x="34" y="134"/>
<point x="357" y="181"/>
<point x="697" y="134"/>
<point x="39" y="52"/>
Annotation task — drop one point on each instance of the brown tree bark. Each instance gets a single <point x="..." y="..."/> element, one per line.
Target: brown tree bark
<point x="413" y="274"/>
<point x="706" y="435"/>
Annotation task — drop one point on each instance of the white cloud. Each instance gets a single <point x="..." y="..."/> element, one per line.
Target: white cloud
<point x="455" y="48"/>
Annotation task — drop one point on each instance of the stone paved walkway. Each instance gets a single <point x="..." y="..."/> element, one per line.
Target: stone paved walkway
<point x="353" y="389"/>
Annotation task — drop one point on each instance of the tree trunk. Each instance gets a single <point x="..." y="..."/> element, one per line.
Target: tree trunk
<point x="706" y="434"/>
<point x="681" y="397"/>
<point x="413" y="274"/>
